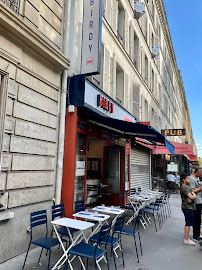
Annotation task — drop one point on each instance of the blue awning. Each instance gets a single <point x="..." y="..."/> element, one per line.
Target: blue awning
<point x="131" y="130"/>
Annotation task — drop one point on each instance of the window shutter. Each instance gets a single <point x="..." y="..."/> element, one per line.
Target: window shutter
<point x="136" y="100"/>
<point x="106" y="79"/>
<point x="108" y="11"/>
<point x="131" y="41"/>
<point x="126" y="92"/>
<point x="126" y="38"/>
<point x="143" y="64"/>
<point x="114" y="15"/>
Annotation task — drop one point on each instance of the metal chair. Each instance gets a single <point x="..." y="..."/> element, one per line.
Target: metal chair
<point x="153" y="211"/>
<point x="37" y="219"/>
<point x="84" y="250"/>
<point x="58" y="211"/>
<point x="121" y="202"/>
<point x="112" y="241"/>
<point x="79" y="206"/>
<point x="134" y="232"/>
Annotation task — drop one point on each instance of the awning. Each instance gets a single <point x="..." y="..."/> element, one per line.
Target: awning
<point x="180" y="149"/>
<point x="193" y="158"/>
<point x="131" y="130"/>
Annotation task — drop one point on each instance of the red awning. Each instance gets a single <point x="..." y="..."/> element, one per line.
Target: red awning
<point x="192" y="157"/>
<point x="180" y="149"/>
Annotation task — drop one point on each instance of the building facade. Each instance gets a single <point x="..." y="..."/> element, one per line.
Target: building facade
<point x="33" y="59"/>
<point x="31" y="66"/>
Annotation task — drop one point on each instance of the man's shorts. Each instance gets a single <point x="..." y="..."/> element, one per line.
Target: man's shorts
<point x="189" y="216"/>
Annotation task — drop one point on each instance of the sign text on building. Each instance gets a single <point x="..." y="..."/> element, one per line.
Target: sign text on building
<point x="92" y="29"/>
<point x="104" y="103"/>
<point x="173" y="132"/>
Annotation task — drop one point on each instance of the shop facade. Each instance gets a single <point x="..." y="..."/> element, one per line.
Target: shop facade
<point x="102" y="155"/>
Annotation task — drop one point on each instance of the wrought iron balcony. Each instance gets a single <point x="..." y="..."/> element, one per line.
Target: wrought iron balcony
<point x="14" y="5"/>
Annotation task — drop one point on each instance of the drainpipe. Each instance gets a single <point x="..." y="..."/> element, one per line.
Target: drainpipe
<point x="63" y="95"/>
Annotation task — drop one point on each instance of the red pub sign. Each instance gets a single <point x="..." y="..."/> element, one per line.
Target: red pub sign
<point x="104" y="103"/>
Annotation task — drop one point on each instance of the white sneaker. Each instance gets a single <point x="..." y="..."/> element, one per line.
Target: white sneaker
<point x="189" y="242"/>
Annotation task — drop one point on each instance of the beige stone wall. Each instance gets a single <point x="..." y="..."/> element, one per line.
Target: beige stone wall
<point x="32" y="63"/>
<point x="30" y="136"/>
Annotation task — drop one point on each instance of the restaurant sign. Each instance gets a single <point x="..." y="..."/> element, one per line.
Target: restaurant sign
<point x="105" y="103"/>
<point x="173" y="132"/>
<point x="92" y="30"/>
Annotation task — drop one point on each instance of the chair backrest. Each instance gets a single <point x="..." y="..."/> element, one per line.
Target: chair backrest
<point x="139" y="189"/>
<point x="118" y="225"/>
<point x="103" y="234"/>
<point x="79" y="206"/>
<point x="58" y="211"/>
<point x="38" y="218"/>
<point x="92" y="188"/>
<point x="133" y="191"/>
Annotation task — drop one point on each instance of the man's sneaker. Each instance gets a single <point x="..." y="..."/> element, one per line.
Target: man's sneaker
<point x="189" y="242"/>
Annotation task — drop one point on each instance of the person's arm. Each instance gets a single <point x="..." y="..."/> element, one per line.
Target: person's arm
<point x="193" y="186"/>
<point x="197" y="190"/>
<point x="191" y="196"/>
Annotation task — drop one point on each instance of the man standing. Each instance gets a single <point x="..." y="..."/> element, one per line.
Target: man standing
<point x="171" y="181"/>
<point x="196" y="187"/>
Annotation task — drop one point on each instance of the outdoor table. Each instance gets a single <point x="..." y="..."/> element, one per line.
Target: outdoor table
<point x="79" y="225"/>
<point x="110" y="210"/>
<point x="100" y="218"/>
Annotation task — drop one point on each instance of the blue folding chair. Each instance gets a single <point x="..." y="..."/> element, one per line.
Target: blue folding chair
<point x="37" y="219"/>
<point x="121" y="202"/>
<point x="84" y="250"/>
<point x="79" y="206"/>
<point x="133" y="232"/>
<point x="58" y="211"/>
<point x="112" y="241"/>
<point x="153" y="210"/>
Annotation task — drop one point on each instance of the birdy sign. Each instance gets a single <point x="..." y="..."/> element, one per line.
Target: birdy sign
<point x="92" y="32"/>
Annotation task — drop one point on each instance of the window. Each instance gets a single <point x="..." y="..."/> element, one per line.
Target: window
<point x="145" y="110"/>
<point x="3" y="96"/>
<point x="120" y="23"/>
<point x="119" y="85"/>
<point x="146" y="68"/>
<point x="136" y="50"/>
<point x="152" y="81"/>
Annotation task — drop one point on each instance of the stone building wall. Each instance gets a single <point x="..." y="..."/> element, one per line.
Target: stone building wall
<point x="31" y="64"/>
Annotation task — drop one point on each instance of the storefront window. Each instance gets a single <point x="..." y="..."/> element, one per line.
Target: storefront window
<point x="80" y="168"/>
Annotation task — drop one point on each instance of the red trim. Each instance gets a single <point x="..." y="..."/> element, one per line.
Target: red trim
<point x="69" y="162"/>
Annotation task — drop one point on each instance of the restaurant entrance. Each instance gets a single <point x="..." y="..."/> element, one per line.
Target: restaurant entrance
<point x="100" y="171"/>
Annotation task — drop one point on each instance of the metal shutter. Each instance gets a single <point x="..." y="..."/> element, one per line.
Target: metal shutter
<point x="140" y="169"/>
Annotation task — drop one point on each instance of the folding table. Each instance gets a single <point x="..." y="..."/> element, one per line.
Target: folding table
<point x="109" y="210"/>
<point x="100" y="218"/>
<point x="79" y="225"/>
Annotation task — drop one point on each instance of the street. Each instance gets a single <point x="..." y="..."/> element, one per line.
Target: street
<point x="161" y="251"/>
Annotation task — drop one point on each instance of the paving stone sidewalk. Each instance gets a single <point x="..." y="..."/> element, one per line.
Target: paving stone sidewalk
<point x="162" y="250"/>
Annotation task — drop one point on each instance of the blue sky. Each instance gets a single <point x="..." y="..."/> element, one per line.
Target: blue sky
<point x="185" y="23"/>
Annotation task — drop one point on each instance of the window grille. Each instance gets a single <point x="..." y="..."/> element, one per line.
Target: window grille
<point x="14" y="5"/>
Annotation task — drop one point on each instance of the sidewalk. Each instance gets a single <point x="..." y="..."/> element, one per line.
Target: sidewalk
<point x="161" y="251"/>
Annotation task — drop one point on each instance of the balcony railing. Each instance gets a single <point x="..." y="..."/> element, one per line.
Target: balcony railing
<point x="14" y="5"/>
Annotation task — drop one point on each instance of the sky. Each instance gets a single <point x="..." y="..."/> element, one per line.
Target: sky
<point x="185" y="24"/>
